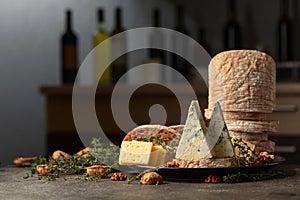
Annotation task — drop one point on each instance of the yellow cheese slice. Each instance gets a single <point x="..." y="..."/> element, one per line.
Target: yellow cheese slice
<point x="135" y="153"/>
<point x="142" y="153"/>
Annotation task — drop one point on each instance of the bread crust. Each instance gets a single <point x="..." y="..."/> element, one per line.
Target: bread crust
<point x="154" y="132"/>
<point x="242" y="80"/>
<point x="264" y="146"/>
<point x="248" y="126"/>
<point x="238" y="115"/>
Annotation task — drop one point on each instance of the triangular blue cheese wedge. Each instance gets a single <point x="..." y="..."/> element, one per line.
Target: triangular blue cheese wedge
<point x="193" y="145"/>
<point x="218" y="136"/>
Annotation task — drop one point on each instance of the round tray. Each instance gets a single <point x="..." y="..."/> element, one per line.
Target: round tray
<point x="196" y="174"/>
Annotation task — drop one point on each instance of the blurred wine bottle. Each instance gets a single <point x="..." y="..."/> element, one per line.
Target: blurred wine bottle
<point x="118" y="47"/>
<point x="179" y="63"/>
<point x="284" y="33"/>
<point x="232" y="32"/>
<point x="102" y="54"/>
<point x="296" y="39"/>
<point x="157" y="39"/>
<point x="284" y="40"/>
<point x="296" y="31"/>
<point x="69" y="52"/>
<point x="195" y="78"/>
<point x="202" y="40"/>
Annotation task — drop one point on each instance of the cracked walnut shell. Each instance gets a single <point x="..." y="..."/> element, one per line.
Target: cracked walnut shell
<point x="84" y="152"/>
<point x="151" y="178"/>
<point x="43" y="169"/>
<point x="118" y="177"/>
<point x="20" y="162"/>
<point x="58" y="153"/>
<point x="94" y="170"/>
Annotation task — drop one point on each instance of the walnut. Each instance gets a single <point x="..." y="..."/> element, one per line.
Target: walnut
<point x="21" y="162"/>
<point x="60" y="154"/>
<point x="208" y="179"/>
<point x="84" y="152"/>
<point x="265" y="158"/>
<point x="43" y="169"/>
<point x="151" y="178"/>
<point x="101" y="170"/>
<point x="172" y="164"/>
<point x="212" y="179"/>
<point x="118" y="177"/>
<point x="216" y="179"/>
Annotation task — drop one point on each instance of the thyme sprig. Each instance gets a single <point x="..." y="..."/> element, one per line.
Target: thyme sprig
<point x="75" y="164"/>
<point x="169" y="146"/>
<point x="243" y="177"/>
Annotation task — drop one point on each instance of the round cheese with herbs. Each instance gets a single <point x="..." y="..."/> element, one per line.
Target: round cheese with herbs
<point x="157" y="134"/>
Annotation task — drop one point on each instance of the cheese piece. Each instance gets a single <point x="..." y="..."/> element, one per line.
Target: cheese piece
<point x="198" y="143"/>
<point x="135" y="153"/>
<point x="142" y="153"/>
<point x="193" y="145"/>
<point x="218" y="135"/>
<point x="158" y="156"/>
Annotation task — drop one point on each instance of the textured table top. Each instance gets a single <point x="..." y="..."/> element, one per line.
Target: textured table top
<point x="13" y="186"/>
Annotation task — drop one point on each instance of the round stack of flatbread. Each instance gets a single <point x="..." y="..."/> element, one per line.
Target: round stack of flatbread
<point x="243" y="82"/>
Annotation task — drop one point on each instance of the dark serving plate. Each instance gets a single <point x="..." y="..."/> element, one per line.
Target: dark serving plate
<point x="196" y="174"/>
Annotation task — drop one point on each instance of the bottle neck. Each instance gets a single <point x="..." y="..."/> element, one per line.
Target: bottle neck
<point x="156" y="18"/>
<point x="232" y="10"/>
<point x="284" y="8"/>
<point x="201" y="36"/>
<point x="69" y="21"/>
<point x="179" y="17"/>
<point x="118" y="18"/>
<point x="100" y="20"/>
<point x="295" y="9"/>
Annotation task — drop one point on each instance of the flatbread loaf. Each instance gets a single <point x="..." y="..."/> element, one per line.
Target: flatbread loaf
<point x="250" y="136"/>
<point x="261" y="146"/>
<point x="238" y="115"/>
<point x="242" y="81"/>
<point x="159" y="135"/>
<point x="249" y="126"/>
<point x="177" y="128"/>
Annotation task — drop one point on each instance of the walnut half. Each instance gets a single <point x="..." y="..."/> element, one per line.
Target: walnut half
<point x="21" y="162"/>
<point x="151" y="178"/>
<point x="118" y="177"/>
<point x="60" y="154"/>
<point x="43" y="169"/>
<point x="97" y="170"/>
<point x="212" y="179"/>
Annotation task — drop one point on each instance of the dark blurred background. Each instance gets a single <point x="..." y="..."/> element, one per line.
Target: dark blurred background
<point x="30" y="51"/>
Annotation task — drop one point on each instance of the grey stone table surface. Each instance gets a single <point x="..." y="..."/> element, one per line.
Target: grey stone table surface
<point x="14" y="186"/>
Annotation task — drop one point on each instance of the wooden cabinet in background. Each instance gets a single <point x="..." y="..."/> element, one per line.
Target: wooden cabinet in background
<point x="61" y="131"/>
